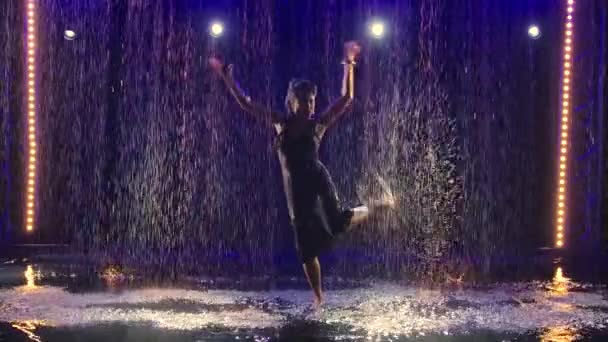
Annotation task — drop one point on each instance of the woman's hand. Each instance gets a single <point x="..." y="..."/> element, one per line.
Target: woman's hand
<point x="217" y="65"/>
<point x="351" y="50"/>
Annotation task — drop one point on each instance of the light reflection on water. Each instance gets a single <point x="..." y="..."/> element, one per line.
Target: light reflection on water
<point x="559" y="334"/>
<point x="559" y="288"/>
<point x="380" y="311"/>
<point x="28" y="328"/>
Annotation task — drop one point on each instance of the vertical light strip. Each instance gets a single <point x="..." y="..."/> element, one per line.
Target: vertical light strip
<point x="31" y="114"/>
<point x="566" y="102"/>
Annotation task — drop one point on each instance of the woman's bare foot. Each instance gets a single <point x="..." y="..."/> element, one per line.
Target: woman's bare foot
<point x="318" y="302"/>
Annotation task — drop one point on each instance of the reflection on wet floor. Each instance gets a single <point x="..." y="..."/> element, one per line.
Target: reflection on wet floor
<point x="556" y="309"/>
<point x="28" y="328"/>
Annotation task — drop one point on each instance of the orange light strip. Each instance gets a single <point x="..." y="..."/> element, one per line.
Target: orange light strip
<point x="31" y="114"/>
<point x="564" y="126"/>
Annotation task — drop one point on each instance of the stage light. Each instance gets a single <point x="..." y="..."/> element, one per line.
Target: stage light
<point x="69" y="35"/>
<point x="376" y="29"/>
<point x="30" y="60"/>
<point x="216" y="29"/>
<point x="565" y="110"/>
<point x="534" y="32"/>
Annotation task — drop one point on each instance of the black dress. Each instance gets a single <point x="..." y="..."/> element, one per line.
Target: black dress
<point x="314" y="208"/>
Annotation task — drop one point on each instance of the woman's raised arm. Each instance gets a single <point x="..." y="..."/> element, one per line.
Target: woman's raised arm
<point x="226" y="73"/>
<point x="339" y="106"/>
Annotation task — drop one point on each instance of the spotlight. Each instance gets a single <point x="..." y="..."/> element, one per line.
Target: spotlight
<point x="216" y="29"/>
<point x="376" y="29"/>
<point x="534" y="32"/>
<point x="69" y="35"/>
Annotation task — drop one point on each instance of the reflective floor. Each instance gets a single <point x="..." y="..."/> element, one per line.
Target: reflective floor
<point x="60" y="301"/>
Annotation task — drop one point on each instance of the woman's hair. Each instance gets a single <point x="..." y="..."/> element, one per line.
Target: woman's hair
<point x="298" y="88"/>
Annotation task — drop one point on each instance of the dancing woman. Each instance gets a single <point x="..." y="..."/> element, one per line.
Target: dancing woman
<point x="314" y="208"/>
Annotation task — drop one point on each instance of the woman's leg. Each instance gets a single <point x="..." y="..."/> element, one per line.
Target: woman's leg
<point x="361" y="213"/>
<point x="329" y="199"/>
<point x="312" y="269"/>
<point x="331" y="202"/>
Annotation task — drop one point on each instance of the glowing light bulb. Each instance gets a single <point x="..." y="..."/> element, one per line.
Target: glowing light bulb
<point x="69" y="35"/>
<point x="376" y="29"/>
<point x="534" y="32"/>
<point x="216" y="29"/>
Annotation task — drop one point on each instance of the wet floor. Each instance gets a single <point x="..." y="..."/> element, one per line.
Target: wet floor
<point x="59" y="301"/>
